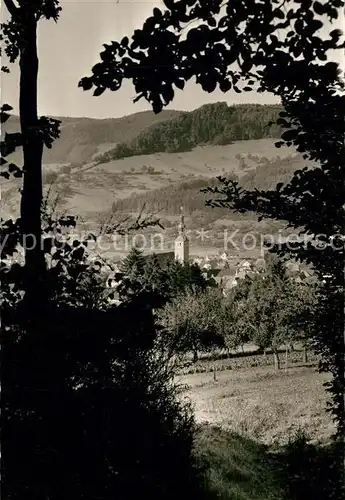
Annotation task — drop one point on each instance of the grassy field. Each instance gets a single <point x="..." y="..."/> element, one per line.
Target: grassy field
<point x="264" y="434"/>
<point x="239" y="468"/>
<point x="261" y="403"/>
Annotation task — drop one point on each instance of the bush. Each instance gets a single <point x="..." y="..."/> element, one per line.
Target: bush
<point x="49" y="177"/>
<point x="312" y="471"/>
<point x="66" y="169"/>
<point x="86" y="428"/>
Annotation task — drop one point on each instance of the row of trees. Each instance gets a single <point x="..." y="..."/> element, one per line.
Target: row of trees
<point x="163" y="279"/>
<point x="268" y="309"/>
<point x="211" y="124"/>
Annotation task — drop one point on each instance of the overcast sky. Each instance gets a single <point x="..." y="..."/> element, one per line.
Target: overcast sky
<point x="69" y="49"/>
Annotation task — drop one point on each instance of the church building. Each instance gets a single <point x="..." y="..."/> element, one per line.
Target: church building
<point x="182" y="243"/>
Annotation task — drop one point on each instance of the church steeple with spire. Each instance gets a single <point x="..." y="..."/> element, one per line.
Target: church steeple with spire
<point x="182" y="242"/>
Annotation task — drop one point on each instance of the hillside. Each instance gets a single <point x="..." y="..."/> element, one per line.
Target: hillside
<point x="264" y="174"/>
<point x="160" y="181"/>
<point x="217" y="124"/>
<point x="82" y="138"/>
<point x="215" y="223"/>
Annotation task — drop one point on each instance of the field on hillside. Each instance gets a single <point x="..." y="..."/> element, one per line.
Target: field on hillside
<point x="90" y="190"/>
<point x="262" y="404"/>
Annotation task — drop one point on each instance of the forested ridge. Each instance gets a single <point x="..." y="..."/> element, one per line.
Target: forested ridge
<point x="216" y="123"/>
<point x="81" y="138"/>
<point x="169" y="199"/>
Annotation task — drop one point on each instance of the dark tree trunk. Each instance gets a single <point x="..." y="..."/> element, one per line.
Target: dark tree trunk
<point x="305" y="354"/>
<point x="195" y="356"/>
<point x="214" y="366"/>
<point x="276" y="359"/>
<point x="286" y="356"/>
<point x="31" y="200"/>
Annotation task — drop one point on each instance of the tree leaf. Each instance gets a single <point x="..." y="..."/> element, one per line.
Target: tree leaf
<point x="225" y="85"/>
<point x="157" y="13"/>
<point x="85" y="83"/>
<point x="208" y="83"/>
<point x="99" y="91"/>
<point x="212" y="22"/>
<point x="180" y="83"/>
<point x="319" y="8"/>
<point x="157" y="106"/>
<point x="289" y="135"/>
<point x="6" y="107"/>
<point x="167" y="94"/>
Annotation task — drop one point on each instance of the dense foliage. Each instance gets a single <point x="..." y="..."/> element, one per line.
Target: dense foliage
<point x="211" y="124"/>
<point x="269" y="309"/>
<point x="162" y="280"/>
<point x="84" y="389"/>
<point x="270" y="46"/>
<point x="273" y="310"/>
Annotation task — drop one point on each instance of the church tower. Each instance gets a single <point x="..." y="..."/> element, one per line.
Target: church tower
<point x="182" y="242"/>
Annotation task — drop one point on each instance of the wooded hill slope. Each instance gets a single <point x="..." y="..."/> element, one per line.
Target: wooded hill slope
<point x="217" y="124"/>
<point x="84" y="140"/>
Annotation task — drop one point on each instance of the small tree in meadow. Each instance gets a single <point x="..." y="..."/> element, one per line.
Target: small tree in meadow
<point x="191" y="322"/>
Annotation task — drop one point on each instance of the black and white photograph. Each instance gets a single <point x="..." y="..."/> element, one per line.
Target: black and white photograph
<point x="172" y="249"/>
